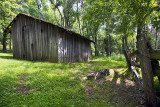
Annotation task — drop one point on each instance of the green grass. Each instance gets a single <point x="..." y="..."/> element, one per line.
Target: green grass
<point x="27" y="83"/>
<point x="157" y="86"/>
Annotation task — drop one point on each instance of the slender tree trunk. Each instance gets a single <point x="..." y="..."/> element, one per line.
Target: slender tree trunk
<point x="109" y="52"/>
<point x="106" y="46"/>
<point x="62" y="20"/>
<point x="78" y="19"/>
<point x="109" y="44"/>
<point x="4" y="42"/>
<point x="66" y="17"/>
<point x="124" y="47"/>
<point x="146" y="68"/>
<point x="156" y="40"/>
<point x="10" y="42"/>
<point x="39" y="9"/>
<point x="96" y="48"/>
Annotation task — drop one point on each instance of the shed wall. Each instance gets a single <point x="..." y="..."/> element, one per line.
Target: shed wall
<point x="34" y="40"/>
<point x="72" y="48"/>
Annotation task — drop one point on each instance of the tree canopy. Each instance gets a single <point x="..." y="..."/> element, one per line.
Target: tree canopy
<point x="114" y="25"/>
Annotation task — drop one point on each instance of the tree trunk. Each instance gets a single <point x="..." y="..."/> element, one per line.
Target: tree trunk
<point x="78" y="19"/>
<point x="146" y="68"/>
<point x="156" y="40"/>
<point x="124" y="45"/>
<point x="108" y="49"/>
<point x="10" y="42"/>
<point x="127" y="60"/>
<point x="4" y="42"/>
<point x="109" y="41"/>
<point x="96" y="48"/>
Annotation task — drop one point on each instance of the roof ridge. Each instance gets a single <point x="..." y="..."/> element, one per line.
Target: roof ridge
<point x="68" y="30"/>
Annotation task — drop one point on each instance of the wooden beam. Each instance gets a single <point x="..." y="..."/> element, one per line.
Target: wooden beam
<point x="157" y="71"/>
<point x="155" y="54"/>
<point x="135" y="64"/>
<point x="133" y="54"/>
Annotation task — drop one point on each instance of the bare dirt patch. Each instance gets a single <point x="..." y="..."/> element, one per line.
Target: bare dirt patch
<point x="22" y="87"/>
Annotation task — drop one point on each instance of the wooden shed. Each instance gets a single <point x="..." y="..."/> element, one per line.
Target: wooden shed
<point x="35" y="39"/>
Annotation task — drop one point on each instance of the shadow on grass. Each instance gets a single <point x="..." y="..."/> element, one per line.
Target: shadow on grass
<point x="120" y="90"/>
<point x="6" y="57"/>
<point x="46" y="89"/>
<point x="49" y="84"/>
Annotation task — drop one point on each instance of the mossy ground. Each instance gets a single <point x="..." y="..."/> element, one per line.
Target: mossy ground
<point x="27" y="83"/>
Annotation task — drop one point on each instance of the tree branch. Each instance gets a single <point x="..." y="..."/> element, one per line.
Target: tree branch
<point x="152" y="9"/>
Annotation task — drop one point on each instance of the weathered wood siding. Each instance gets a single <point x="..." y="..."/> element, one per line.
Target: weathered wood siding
<point x="72" y="48"/>
<point x="34" y="39"/>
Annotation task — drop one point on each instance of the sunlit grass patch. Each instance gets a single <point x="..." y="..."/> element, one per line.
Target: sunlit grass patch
<point x="27" y="83"/>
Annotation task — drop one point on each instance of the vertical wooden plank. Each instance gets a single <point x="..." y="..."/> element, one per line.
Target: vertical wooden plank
<point x="56" y="45"/>
<point x="70" y="53"/>
<point x="31" y="39"/>
<point x="34" y="36"/>
<point x="62" y="51"/>
<point x="36" y="40"/>
<point x="17" y="40"/>
<point x="51" y="40"/>
<point x="19" y="23"/>
<point x="14" y="39"/>
<point x="49" y="37"/>
<point x="39" y="41"/>
<point x="52" y="43"/>
<point x="43" y="39"/>
<point x="59" y="47"/>
<point x="28" y="39"/>
<point x="76" y="49"/>
<point x="83" y="51"/>
<point x="67" y="48"/>
<point x="20" y="37"/>
<point x="71" y="48"/>
<point x="64" y="47"/>
<point x="79" y="47"/>
<point x="46" y="41"/>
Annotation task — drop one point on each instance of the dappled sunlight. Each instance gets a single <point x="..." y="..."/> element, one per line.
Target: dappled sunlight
<point x="60" y="82"/>
<point x="113" y="87"/>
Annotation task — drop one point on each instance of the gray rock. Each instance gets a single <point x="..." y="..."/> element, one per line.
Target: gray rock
<point x="98" y="74"/>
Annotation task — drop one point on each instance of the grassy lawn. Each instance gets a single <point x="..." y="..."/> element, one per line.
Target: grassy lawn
<point x="27" y="83"/>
